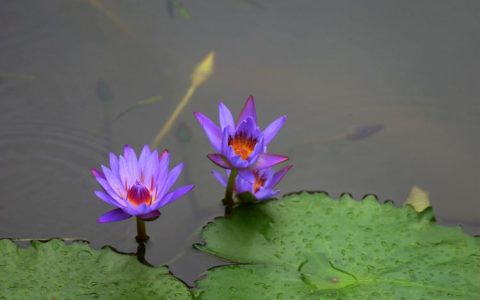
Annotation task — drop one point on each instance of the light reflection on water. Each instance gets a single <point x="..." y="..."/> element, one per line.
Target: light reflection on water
<point x="411" y="69"/>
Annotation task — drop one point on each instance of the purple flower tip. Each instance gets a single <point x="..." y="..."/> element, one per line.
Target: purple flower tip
<point x="137" y="187"/>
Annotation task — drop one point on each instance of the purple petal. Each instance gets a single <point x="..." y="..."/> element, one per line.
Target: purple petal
<point x="113" y="163"/>
<point x="163" y="163"/>
<point x="226" y="118"/>
<point x="171" y="178"/>
<point x="113" y="181"/>
<point x="271" y="131"/>
<point x="107" y="198"/>
<point x="113" y="216"/>
<point x="211" y="130"/>
<point x="150" y="215"/>
<point x="144" y="157"/>
<point x="242" y="185"/>
<point x="265" y="193"/>
<point x="125" y="178"/>
<point x="172" y="196"/>
<point x="248" y="111"/>
<point x="266" y="160"/>
<point x="246" y="175"/>
<point x="142" y="209"/>
<point x="132" y="163"/>
<point x="117" y="195"/>
<point x="97" y="173"/>
<point x="128" y="152"/>
<point x="219" y="160"/>
<point x="279" y="175"/>
<point x="220" y="177"/>
<point x="151" y="166"/>
<point x="225" y="147"/>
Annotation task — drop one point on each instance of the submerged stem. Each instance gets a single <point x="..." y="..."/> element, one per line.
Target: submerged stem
<point x="230" y="187"/>
<point x="141" y="231"/>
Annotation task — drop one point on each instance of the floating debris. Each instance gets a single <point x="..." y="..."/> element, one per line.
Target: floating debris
<point x="364" y="131"/>
<point x="418" y="199"/>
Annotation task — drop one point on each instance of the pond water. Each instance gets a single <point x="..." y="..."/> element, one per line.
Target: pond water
<point x="379" y="96"/>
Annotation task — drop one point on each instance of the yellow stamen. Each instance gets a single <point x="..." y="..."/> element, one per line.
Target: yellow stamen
<point x="242" y="144"/>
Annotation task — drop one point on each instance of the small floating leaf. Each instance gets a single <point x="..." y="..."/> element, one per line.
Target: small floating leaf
<point x="54" y="270"/>
<point x="418" y="199"/>
<point x="309" y="246"/>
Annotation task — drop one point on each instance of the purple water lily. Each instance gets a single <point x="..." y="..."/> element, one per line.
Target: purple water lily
<point x="242" y="144"/>
<point x="262" y="186"/>
<point x="138" y="187"/>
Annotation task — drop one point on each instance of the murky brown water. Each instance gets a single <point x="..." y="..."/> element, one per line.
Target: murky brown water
<point x="337" y="68"/>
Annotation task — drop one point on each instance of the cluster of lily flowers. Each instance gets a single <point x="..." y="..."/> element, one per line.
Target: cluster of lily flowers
<point x="141" y="186"/>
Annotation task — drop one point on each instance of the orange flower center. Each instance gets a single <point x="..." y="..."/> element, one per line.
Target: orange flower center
<point x="242" y="144"/>
<point x="138" y="194"/>
<point x="259" y="181"/>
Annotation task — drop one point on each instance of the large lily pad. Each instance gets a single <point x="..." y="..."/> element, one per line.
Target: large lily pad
<point x="308" y="246"/>
<point x="54" y="270"/>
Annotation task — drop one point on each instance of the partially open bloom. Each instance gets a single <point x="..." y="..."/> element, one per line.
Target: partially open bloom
<point x="137" y="187"/>
<point x="241" y="144"/>
<point x="262" y="186"/>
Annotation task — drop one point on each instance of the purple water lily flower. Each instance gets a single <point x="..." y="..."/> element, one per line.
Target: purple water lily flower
<point x="138" y="187"/>
<point x="263" y="185"/>
<point x="241" y="144"/>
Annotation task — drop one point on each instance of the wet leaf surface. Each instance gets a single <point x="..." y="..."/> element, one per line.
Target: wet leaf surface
<point x="54" y="270"/>
<point x="309" y="246"/>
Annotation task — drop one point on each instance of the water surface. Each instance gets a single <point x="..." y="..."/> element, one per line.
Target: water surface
<point x="399" y="78"/>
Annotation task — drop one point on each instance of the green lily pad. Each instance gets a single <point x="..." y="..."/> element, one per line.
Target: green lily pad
<point x="309" y="246"/>
<point x="54" y="270"/>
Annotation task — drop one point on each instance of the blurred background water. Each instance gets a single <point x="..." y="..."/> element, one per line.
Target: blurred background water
<point x="380" y="96"/>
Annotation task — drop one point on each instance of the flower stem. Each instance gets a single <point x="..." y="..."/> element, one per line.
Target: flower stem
<point x="230" y="187"/>
<point x="141" y="231"/>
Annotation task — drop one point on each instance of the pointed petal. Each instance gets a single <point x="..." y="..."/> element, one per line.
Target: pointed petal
<point x="132" y="163"/>
<point x="150" y="215"/>
<point x="172" y="196"/>
<point x="107" y="198"/>
<point x="211" y="130"/>
<point x="224" y="147"/>
<point x="113" y="163"/>
<point x="219" y="160"/>
<point x="279" y="175"/>
<point x="113" y="181"/>
<point x="97" y="173"/>
<point x="163" y="163"/>
<point x="144" y="157"/>
<point x="271" y="131"/>
<point x="150" y="167"/>
<point x="248" y="111"/>
<point x="226" y="118"/>
<point x="113" y="216"/>
<point x="115" y="194"/>
<point x="266" y="160"/>
<point x="172" y="177"/>
<point x="220" y="177"/>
